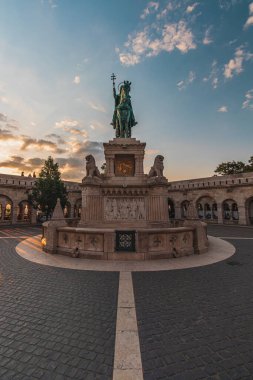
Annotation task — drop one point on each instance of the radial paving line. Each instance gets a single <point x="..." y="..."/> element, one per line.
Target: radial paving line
<point x="127" y="357"/>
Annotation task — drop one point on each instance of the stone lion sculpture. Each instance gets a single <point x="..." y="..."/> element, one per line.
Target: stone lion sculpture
<point x="157" y="169"/>
<point x="91" y="168"/>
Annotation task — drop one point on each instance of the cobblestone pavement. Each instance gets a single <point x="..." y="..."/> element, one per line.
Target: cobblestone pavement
<point x="198" y="323"/>
<point x="54" y="323"/>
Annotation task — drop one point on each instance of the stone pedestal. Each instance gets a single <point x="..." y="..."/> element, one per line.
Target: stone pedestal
<point x="124" y="212"/>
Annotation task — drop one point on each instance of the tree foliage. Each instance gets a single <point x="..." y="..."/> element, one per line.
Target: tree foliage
<point x="47" y="188"/>
<point x="234" y="167"/>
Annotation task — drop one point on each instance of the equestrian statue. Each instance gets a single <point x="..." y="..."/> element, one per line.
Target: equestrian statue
<point x="123" y="116"/>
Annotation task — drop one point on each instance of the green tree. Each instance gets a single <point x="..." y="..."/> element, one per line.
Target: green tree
<point x="249" y="167"/>
<point x="47" y="188"/>
<point x="234" y="167"/>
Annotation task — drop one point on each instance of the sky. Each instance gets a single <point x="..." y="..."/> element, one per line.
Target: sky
<point x="190" y="64"/>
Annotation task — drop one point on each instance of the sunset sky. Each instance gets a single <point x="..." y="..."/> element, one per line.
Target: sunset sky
<point x="190" y="64"/>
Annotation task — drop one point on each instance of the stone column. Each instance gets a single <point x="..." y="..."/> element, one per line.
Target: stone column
<point x="3" y="209"/>
<point x="242" y="214"/>
<point x="178" y="211"/>
<point x="14" y="212"/>
<point x="33" y="216"/>
<point x="220" y="213"/>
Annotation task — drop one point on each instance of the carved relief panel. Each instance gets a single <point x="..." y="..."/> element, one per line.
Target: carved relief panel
<point x="124" y="208"/>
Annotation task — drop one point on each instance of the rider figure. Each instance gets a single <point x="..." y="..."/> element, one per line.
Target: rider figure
<point x="123" y="102"/>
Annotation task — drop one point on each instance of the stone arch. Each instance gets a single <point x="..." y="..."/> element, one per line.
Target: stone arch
<point x="206" y="207"/>
<point x="230" y="212"/>
<point x="171" y="209"/>
<point x="24" y="211"/>
<point x="78" y="208"/>
<point x="6" y="208"/>
<point x="249" y="210"/>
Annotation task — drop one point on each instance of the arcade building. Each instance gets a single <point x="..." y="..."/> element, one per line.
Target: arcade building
<point x="218" y="199"/>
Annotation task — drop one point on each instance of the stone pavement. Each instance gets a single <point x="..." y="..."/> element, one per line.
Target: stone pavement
<point x="198" y="323"/>
<point x="194" y="323"/>
<point x="54" y="323"/>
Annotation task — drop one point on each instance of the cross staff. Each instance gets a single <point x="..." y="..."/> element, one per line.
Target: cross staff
<point x="113" y="77"/>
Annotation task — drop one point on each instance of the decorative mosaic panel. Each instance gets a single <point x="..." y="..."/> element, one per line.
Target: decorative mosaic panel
<point x="125" y="241"/>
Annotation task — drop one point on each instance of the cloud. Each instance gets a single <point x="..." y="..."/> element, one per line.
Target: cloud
<point x="184" y="83"/>
<point x="77" y="131"/>
<point x="3" y="117"/>
<point x="5" y="135"/>
<point x="248" y="102"/>
<point x="97" y="107"/>
<point x="151" y="8"/>
<point x="207" y="40"/>
<point x="21" y="164"/>
<point x="235" y="65"/>
<point x="166" y="10"/>
<point x="77" y="79"/>
<point x="191" y="8"/>
<point x="29" y="142"/>
<point x="153" y="40"/>
<point x="70" y="126"/>
<point x="59" y="139"/>
<point x="11" y="125"/>
<point x="96" y="125"/>
<point x="72" y="166"/>
<point x="213" y="77"/>
<point x="223" y="109"/>
<point x="249" y="21"/>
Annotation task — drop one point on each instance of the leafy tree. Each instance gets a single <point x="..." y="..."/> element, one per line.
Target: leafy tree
<point x="249" y="167"/>
<point x="234" y="167"/>
<point x="47" y="188"/>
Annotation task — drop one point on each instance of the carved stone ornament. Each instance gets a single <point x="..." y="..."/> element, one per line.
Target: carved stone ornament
<point x="124" y="209"/>
<point x="91" y="168"/>
<point x="157" y="169"/>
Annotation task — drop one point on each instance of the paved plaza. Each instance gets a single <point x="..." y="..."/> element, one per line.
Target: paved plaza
<point x="194" y="323"/>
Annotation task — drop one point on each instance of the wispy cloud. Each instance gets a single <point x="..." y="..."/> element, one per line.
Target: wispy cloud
<point x="207" y="40"/>
<point x="249" y="21"/>
<point x="223" y="109"/>
<point x="235" y="65"/>
<point x="185" y="83"/>
<point x="248" y="102"/>
<point x="213" y="77"/>
<point x="66" y="124"/>
<point x="150" y="8"/>
<point x="97" y="107"/>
